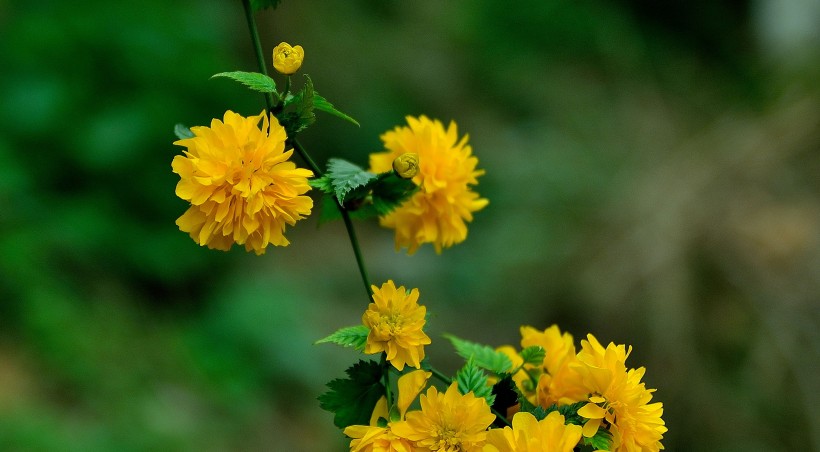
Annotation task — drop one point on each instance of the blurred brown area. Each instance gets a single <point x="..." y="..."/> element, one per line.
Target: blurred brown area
<point x="652" y="175"/>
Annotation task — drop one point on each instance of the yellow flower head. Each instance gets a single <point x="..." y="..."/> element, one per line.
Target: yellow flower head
<point x="559" y="383"/>
<point x="439" y="211"/>
<point x="371" y="438"/>
<point x="618" y="397"/>
<point x="382" y="439"/>
<point x="240" y="184"/>
<point x="395" y="320"/>
<point x="287" y="59"/>
<point x="530" y="435"/>
<point x="447" y="422"/>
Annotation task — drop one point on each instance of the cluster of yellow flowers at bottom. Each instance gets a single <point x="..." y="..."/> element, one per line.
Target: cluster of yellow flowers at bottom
<point x="241" y="185"/>
<point x="453" y="422"/>
<point x="616" y="397"/>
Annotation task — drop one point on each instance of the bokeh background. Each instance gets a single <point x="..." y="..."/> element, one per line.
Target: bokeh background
<point x="653" y="176"/>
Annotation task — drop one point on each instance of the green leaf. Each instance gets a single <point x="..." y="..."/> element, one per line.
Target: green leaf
<point x="484" y="356"/>
<point x="182" y="132"/>
<point x="302" y="115"/>
<point x="601" y="440"/>
<point x="320" y="103"/>
<point x="351" y="336"/>
<point x="352" y="399"/>
<point x="472" y="378"/>
<point x="322" y="183"/>
<point x="253" y="80"/>
<point x="259" y="5"/>
<point x="534" y="354"/>
<point x="390" y="191"/>
<point x="345" y="177"/>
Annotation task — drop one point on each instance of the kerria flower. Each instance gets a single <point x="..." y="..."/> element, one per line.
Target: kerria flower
<point x="395" y="320"/>
<point x="380" y="438"/>
<point x="530" y="435"/>
<point x="559" y="383"/>
<point x="448" y="422"/>
<point x="619" y="398"/>
<point x="287" y="59"/>
<point x="240" y="184"/>
<point x="439" y="212"/>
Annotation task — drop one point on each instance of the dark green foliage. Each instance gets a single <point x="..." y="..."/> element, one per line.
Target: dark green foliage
<point x="473" y="378"/>
<point x="351" y="336"/>
<point x="352" y="399"/>
<point x="300" y="114"/>
<point x="484" y="356"/>
<point x="505" y="395"/>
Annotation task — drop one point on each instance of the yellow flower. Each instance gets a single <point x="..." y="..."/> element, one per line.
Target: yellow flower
<point x="406" y="165"/>
<point x="618" y="397"/>
<point x="240" y="184"/>
<point x="395" y="320"/>
<point x="559" y="383"/>
<point x="287" y="59"/>
<point x="530" y="435"/>
<point x="439" y="211"/>
<point x="373" y="438"/>
<point x="448" y="422"/>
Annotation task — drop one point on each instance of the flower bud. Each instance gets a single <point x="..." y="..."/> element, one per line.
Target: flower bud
<point x="406" y="165"/>
<point x="287" y="59"/>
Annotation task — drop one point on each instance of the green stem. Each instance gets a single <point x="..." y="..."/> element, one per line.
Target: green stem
<point x="301" y="150"/>
<point x="257" y="45"/>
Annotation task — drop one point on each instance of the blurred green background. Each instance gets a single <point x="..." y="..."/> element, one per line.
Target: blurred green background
<point x="652" y="170"/>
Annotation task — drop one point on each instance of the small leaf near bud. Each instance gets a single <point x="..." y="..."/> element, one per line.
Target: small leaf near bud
<point x="406" y="165"/>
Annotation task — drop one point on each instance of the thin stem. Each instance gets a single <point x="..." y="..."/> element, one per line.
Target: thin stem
<point x="301" y="150"/>
<point x="351" y="233"/>
<point x="257" y="45"/>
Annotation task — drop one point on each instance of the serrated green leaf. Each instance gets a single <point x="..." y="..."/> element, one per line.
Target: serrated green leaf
<point x="534" y="354"/>
<point x="183" y="132"/>
<point x="484" y="356"/>
<point x="253" y="80"/>
<point x="345" y="177"/>
<point x="259" y="5"/>
<point x="472" y="378"/>
<point x="351" y="336"/>
<point x="321" y="183"/>
<point x="352" y="399"/>
<point x="320" y="103"/>
<point x="302" y="115"/>
<point x="601" y="440"/>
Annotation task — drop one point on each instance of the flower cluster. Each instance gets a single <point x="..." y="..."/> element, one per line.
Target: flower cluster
<point x="243" y="189"/>
<point x="559" y="398"/>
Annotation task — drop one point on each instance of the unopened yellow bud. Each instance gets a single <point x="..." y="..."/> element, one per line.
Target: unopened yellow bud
<point x="406" y="165"/>
<point x="287" y="59"/>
